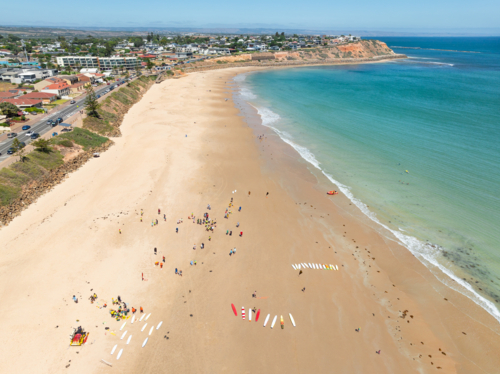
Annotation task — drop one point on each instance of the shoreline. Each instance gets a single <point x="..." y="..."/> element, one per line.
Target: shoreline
<point x="184" y="146"/>
<point x="445" y="275"/>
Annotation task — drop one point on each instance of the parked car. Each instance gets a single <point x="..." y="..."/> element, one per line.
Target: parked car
<point x="59" y="120"/>
<point x="11" y="151"/>
<point x="54" y="134"/>
<point x="72" y="102"/>
<point x="29" y="133"/>
<point x="98" y="96"/>
<point x="49" y="122"/>
<point x="11" y="135"/>
<point x="26" y="127"/>
<point x="34" y="113"/>
<point x="35" y="136"/>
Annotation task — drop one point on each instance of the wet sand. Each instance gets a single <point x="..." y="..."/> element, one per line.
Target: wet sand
<point x="185" y="146"/>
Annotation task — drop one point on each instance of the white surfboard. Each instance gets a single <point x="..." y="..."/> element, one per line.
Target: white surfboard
<point x="142" y="317"/>
<point x="145" y="341"/>
<point x="159" y="325"/>
<point x="265" y="322"/>
<point x="249" y="314"/>
<point x="304" y="265"/>
<point x="129" y="337"/>
<point x="310" y="266"/>
<point x="293" y="266"/>
<point x="151" y="331"/>
<point x="119" y="354"/>
<point x="121" y="328"/>
<point x="133" y="319"/>
<point x="337" y="267"/>
<point x="125" y="333"/>
<point x="114" y="349"/>
<point x="331" y="267"/>
<point x="318" y="267"/>
<point x="291" y="319"/>
<point x="324" y="267"/>
<point x="274" y="321"/>
<point x="143" y="327"/>
<point x="147" y="317"/>
<point x="298" y="266"/>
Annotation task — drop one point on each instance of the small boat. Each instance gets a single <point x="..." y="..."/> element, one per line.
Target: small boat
<point x="332" y="193"/>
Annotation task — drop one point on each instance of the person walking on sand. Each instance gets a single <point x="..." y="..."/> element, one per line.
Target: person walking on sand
<point x="267" y="194"/>
<point x="239" y="210"/>
<point x="209" y="238"/>
<point x="142" y="310"/>
<point x="165" y="217"/>
<point x="238" y="224"/>
<point x="175" y="270"/>
<point x="241" y="233"/>
<point x="300" y="272"/>
<point x="158" y="210"/>
<point x="155" y="251"/>
<point x="234" y="250"/>
<point x="176" y="230"/>
<point x="161" y="265"/>
<point x="120" y="231"/>
<point x="163" y="258"/>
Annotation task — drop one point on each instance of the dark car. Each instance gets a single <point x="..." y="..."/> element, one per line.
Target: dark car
<point x="72" y="102"/>
<point x="59" y="120"/>
<point x="49" y="122"/>
<point x="11" y="151"/>
<point x="35" y="136"/>
<point x="26" y="127"/>
<point x="98" y="96"/>
<point x="11" y="135"/>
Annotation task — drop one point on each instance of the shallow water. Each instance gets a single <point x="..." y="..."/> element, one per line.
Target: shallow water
<point x="416" y="140"/>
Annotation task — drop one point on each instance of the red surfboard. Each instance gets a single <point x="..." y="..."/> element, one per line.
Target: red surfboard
<point x="257" y="316"/>
<point x="243" y="312"/>
<point x="234" y="310"/>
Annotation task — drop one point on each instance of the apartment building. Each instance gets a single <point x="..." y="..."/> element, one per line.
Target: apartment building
<point x="102" y="63"/>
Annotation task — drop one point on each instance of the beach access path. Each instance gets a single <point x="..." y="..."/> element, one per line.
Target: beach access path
<point x="184" y="146"/>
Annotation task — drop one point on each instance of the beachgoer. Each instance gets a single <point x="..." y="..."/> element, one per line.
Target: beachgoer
<point x="267" y="193"/>
<point x="75" y="299"/>
<point x="191" y="263"/>
<point x="180" y="273"/>
<point x="158" y="210"/>
<point x="231" y="252"/>
<point x="142" y="310"/>
<point x="141" y="219"/>
<point x="175" y="270"/>
<point x="194" y="246"/>
<point x="155" y="250"/>
<point x="202" y="245"/>
<point x="120" y="231"/>
<point x="209" y="238"/>
<point x="163" y="258"/>
<point x="239" y="210"/>
<point x="134" y="310"/>
<point x="119" y="299"/>
<point x="241" y="233"/>
<point x="230" y="233"/>
<point x="300" y="272"/>
<point x="165" y="217"/>
<point x="194" y="262"/>
<point x="238" y="224"/>
<point x="156" y="221"/>
<point x="234" y="250"/>
<point x="176" y="230"/>
<point x="161" y="265"/>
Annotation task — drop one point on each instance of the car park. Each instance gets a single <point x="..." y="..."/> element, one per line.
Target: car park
<point x="26" y="127"/>
<point x="35" y="136"/>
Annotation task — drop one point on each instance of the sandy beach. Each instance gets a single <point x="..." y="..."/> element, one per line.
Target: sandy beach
<point x="185" y="145"/>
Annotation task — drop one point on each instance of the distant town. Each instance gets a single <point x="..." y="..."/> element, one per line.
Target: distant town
<point x="43" y="71"/>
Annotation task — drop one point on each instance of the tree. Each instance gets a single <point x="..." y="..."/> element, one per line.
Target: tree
<point x="42" y="145"/>
<point x="149" y="64"/>
<point x="163" y="41"/>
<point x="138" y="71"/>
<point x="8" y="109"/>
<point x="19" y="149"/>
<point x="91" y="102"/>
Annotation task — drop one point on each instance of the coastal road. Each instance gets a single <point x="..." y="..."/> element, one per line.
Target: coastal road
<point x="41" y="127"/>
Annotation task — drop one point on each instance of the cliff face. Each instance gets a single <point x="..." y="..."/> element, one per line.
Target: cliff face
<point x="361" y="49"/>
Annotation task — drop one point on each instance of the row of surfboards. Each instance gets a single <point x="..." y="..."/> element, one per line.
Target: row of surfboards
<point x="257" y="315"/>
<point x="314" y="266"/>
<point x="130" y="336"/>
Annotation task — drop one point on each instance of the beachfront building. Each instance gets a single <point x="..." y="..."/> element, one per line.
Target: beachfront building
<point x="101" y="63"/>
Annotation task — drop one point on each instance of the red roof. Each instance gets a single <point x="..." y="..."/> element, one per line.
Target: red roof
<point x="7" y="95"/>
<point x="39" y="95"/>
<point x="57" y="86"/>
<point x="18" y="102"/>
<point x="147" y="56"/>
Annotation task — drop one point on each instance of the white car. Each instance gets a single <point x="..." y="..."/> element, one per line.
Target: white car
<point x="29" y="133"/>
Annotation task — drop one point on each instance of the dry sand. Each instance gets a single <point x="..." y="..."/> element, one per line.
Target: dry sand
<point x="183" y="147"/>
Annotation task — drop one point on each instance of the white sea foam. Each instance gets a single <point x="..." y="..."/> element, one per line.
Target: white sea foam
<point x="424" y="253"/>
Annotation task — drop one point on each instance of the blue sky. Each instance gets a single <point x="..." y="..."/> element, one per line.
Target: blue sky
<point x="395" y="15"/>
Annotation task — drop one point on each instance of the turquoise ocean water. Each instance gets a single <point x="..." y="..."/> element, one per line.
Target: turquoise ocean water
<point x="416" y="140"/>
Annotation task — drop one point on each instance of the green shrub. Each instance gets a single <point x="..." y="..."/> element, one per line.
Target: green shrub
<point x="85" y="138"/>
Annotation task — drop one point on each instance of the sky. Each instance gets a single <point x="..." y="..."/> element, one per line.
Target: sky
<point x="393" y="15"/>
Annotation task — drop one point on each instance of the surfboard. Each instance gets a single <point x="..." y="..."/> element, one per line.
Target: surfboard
<point x="147" y="317"/>
<point x="133" y="319"/>
<point x="243" y="312"/>
<point x="145" y="341"/>
<point x="293" y="266"/>
<point x="119" y="354"/>
<point x="121" y="328"/>
<point x="324" y="267"/>
<point x="159" y="325"/>
<point x="151" y="331"/>
<point x="274" y="321"/>
<point x="291" y="319"/>
<point x="310" y="266"/>
<point x="129" y="337"/>
<point x="304" y="265"/>
<point x="125" y="333"/>
<point x="142" y="317"/>
<point x="234" y="310"/>
<point x="143" y="327"/>
<point x="282" y="322"/>
<point x="257" y="315"/>
<point x="337" y="267"/>
<point x="250" y="314"/>
<point x="267" y="319"/>
<point x="114" y="349"/>
<point x="298" y="266"/>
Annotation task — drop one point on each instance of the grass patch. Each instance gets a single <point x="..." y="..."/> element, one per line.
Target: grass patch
<point x="59" y="102"/>
<point x="85" y="138"/>
<point x="63" y="142"/>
